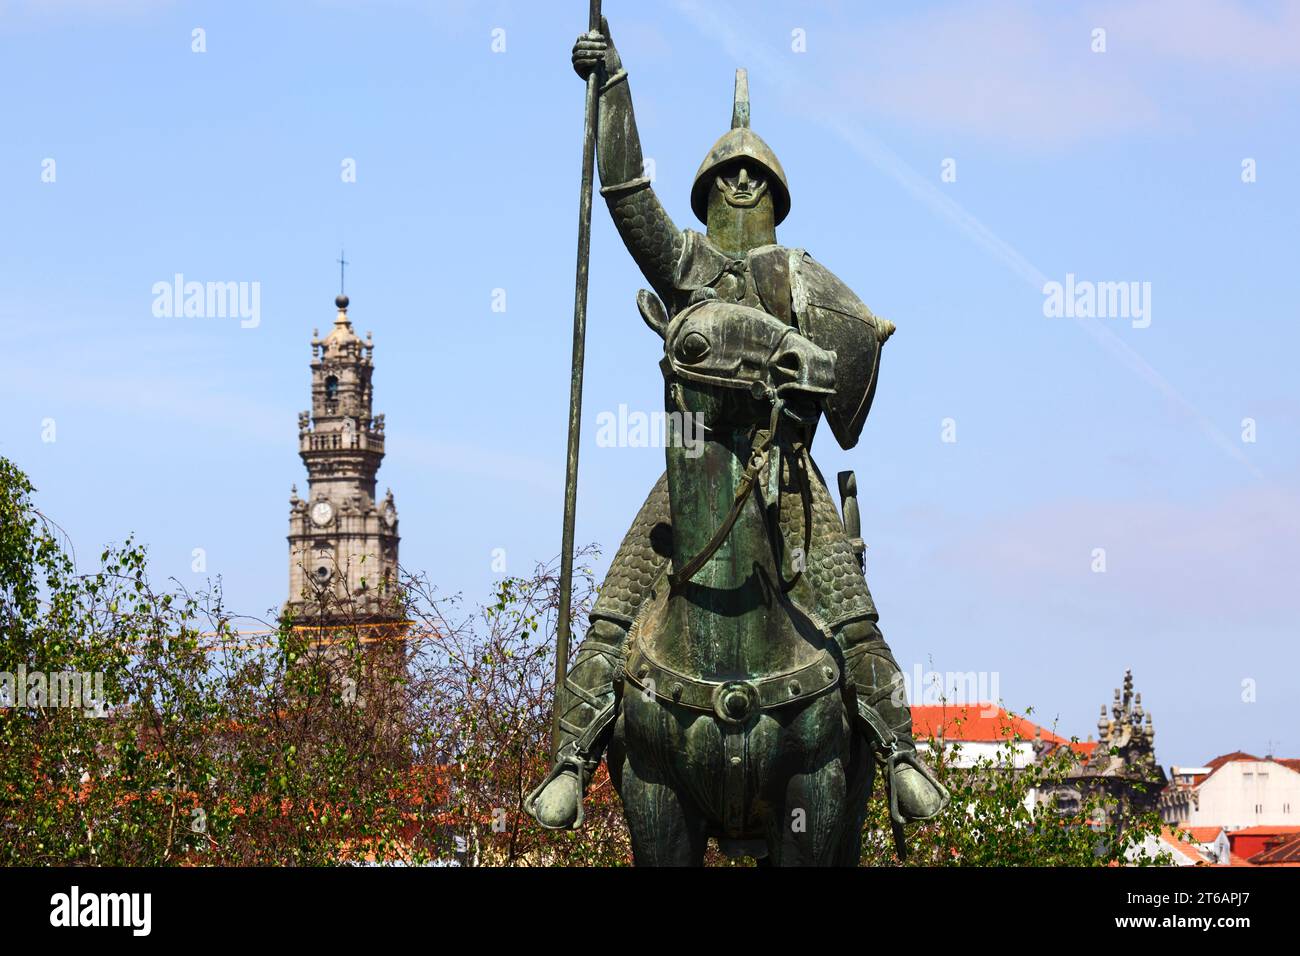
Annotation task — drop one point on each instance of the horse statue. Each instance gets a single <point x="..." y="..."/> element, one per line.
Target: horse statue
<point x="733" y="723"/>
<point x="734" y="671"/>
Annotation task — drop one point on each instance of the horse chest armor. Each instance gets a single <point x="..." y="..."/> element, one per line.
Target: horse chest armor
<point x="832" y="589"/>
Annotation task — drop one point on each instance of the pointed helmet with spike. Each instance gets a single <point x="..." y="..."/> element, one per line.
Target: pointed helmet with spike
<point x="740" y="142"/>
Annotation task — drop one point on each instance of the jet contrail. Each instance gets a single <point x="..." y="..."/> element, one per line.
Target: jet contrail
<point x="710" y="20"/>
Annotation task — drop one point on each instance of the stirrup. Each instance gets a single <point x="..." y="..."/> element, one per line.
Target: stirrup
<point x="892" y="751"/>
<point x="576" y="756"/>
<point x="908" y="756"/>
<point x="567" y="762"/>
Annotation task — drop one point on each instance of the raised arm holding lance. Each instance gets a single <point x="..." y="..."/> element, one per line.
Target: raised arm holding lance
<point x="645" y="226"/>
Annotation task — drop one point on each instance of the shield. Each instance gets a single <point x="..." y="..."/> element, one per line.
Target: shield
<point x="835" y="319"/>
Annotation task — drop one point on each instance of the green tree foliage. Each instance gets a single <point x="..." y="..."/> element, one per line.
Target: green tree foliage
<point x="412" y="744"/>
<point x="415" y="744"/>
<point x="1004" y="814"/>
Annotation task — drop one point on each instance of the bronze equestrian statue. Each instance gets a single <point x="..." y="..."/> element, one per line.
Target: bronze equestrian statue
<point x="733" y="669"/>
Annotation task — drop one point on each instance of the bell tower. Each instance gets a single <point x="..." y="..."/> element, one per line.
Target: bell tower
<point x="342" y="541"/>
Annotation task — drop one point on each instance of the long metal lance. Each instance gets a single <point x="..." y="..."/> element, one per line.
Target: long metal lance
<point x="564" y="622"/>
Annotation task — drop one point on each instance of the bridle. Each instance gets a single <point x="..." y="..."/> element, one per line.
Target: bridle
<point x="758" y="461"/>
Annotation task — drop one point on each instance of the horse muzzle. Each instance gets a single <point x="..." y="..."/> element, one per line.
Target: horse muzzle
<point x="799" y="368"/>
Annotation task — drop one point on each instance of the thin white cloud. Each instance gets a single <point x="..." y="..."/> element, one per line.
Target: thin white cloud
<point x="722" y="24"/>
<point x="475" y="460"/>
<point x="1256" y="37"/>
<point x="167" y="376"/>
<point x="1026" y="75"/>
<point x="1229" y="556"/>
<point x="56" y="8"/>
<point x="997" y="70"/>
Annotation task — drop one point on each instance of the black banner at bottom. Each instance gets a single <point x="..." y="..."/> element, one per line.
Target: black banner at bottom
<point x="215" y="906"/>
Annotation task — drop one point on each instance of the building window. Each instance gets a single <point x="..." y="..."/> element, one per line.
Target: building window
<point x="331" y="388"/>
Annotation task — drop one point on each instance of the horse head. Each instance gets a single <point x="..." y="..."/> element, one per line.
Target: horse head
<point x="743" y="366"/>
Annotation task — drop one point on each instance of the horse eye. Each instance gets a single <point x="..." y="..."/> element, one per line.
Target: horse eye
<point x="693" y="348"/>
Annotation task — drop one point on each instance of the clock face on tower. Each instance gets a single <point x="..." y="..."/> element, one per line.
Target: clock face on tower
<point x="322" y="512"/>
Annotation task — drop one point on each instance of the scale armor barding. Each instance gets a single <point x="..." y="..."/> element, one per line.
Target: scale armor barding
<point x="647" y="230"/>
<point x="639" y="561"/>
<point x="832" y="581"/>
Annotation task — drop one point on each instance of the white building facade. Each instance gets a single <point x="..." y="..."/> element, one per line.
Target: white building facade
<point x="1234" y="791"/>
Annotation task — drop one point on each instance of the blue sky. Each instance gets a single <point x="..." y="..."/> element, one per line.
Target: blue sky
<point x="1115" y="166"/>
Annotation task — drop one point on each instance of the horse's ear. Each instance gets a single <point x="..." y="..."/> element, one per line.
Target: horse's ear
<point x="652" y="310"/>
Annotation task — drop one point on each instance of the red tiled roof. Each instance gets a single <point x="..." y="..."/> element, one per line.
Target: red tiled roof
<point x="1183" y="848"/>
<point x="1223" y="759"/>
<point x="976" y="723"/>
<point x="1250" y="841"/>
<point x="1218" y="763"/>
<point x="1285" y="852"/>
<point x="1264" y="829"/>
<point x="1204" y="834"/>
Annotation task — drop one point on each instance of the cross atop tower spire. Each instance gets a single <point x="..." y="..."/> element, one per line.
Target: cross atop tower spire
<point x="343" y="264"/>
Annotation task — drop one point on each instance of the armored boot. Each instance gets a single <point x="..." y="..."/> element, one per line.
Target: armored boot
<point x="872" y="672"/>
<point x="587" y="706"/>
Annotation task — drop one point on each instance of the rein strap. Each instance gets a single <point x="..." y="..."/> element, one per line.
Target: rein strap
<point x="678" y="579"/>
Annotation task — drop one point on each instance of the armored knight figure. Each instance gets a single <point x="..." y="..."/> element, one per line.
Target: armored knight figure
<point x="741" y="195"/>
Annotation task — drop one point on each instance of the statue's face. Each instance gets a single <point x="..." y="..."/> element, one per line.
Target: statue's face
<point x="743" y="186"/>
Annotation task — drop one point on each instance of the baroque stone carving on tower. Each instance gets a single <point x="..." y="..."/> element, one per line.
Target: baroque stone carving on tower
<point x="342" y="540"/>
